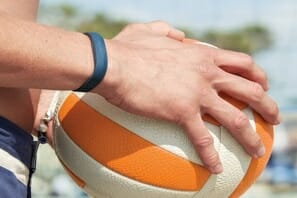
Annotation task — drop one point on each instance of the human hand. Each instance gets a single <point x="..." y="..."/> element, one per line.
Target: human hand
<point x="152" y="73"/>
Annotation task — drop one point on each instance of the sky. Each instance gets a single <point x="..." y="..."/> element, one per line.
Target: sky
<point x="278" y="16"/>
<point x="196" y="13"/>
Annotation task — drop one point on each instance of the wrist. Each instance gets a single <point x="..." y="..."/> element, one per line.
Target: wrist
<point x="111" y="80"/>
<point x="100" y="62"/>
<point x="78" y="58"/>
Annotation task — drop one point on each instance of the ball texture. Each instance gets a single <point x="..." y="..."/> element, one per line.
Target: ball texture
<point x="112" y="153"/>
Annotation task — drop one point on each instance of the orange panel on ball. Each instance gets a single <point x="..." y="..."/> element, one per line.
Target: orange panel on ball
<point x="257" y="166"/>
<point x="126" y="153"/>
<point x="74" y="177"/>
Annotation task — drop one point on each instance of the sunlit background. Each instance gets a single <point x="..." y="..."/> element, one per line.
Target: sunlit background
<point x="266" y="29"/>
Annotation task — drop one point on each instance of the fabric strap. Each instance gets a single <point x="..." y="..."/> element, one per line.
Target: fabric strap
<point x="100" y="62"/>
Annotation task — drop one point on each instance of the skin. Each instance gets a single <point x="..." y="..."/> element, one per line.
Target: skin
<point x="151" y="71"/>
<point x="19" y="104"/>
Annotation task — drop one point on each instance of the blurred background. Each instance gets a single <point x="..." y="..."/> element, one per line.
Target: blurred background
<point x="265" y="29"/>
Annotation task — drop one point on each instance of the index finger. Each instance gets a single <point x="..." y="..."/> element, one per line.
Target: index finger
<point x="240" y="64"/>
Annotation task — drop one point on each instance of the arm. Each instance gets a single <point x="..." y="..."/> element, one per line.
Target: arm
<point x="149" y="73"/>
<point x="36" y="56"/>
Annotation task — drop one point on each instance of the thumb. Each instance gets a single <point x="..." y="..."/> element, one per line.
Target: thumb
<point x="164" y="29"/>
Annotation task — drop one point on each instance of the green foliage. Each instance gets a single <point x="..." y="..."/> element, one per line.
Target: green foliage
<point x="249" y="39"/>
<point x="67" y="10"/>
<point x="100" y="23"/>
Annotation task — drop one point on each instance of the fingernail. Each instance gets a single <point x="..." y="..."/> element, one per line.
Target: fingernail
<point x="217" y="169"/>
<point x="261" y="152"/>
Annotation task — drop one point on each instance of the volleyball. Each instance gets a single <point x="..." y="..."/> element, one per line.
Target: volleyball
<point x="111" y="153"/>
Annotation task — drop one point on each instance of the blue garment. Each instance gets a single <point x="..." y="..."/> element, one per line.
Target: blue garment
<point x="17" y="160"/>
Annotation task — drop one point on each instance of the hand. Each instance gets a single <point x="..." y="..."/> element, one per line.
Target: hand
<point x="152" y="73"/>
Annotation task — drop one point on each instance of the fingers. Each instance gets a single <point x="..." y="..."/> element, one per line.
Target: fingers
<point x="203" y="143"/>
<point x="251" y="93"/>
<point x="237" y="124"/>
<point x="164" y="29"/>
<point x="241" y="64"/>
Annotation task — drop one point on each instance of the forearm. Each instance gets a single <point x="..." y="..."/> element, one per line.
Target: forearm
<point x="37" y="56"/>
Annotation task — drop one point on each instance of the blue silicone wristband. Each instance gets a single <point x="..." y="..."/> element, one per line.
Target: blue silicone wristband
<point x="100" y="62"/>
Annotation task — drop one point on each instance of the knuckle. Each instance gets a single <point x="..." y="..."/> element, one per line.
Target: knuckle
<point x="210" y="52"/>
<point x="262" y="76"/>
<point x="183" y="106"/>
<point x="246" y="59"/>
<point x="184" y="110"/>
<point x="203" y="142"/>
<point x="256" y="144"/>
<point x="204" y="68"/>
<point x="207" y="71"/>
<point x="206" y="99"/>
<point x="240" y="121"/>
<point x="211" y="159"/>
<point x="205" y="91"/>
<point x="273" y="110"/>
<point x="258" y="92"/>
